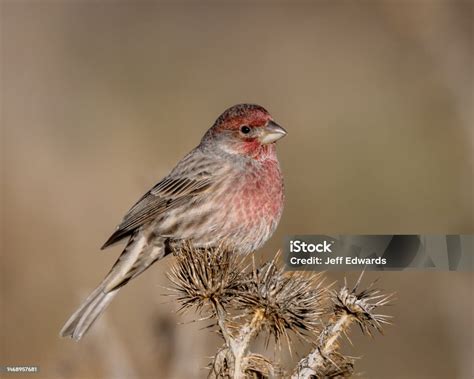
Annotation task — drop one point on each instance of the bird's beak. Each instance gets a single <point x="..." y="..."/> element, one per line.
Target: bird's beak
<point x="271" y="133"/>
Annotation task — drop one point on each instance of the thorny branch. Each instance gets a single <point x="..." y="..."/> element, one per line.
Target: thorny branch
<point x="245" y="300"/>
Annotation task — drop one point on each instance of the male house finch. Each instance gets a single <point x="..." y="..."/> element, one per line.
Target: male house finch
<point x="228" y="189"/>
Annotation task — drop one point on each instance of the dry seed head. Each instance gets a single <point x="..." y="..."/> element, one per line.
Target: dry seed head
<point x="335" y="365"/>
<point x="202" y="276"/>
<point x="258" y="366"/>
<point x="288" y="300"/>
<point x="361" y="305"/>
<point x="219" y="367"/>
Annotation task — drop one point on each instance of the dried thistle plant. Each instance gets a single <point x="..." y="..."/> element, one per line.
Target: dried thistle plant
<point x="348" y="307"/>
<point x="245" y="300"/>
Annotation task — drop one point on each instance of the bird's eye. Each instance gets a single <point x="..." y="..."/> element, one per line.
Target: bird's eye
<point x="245" y="129"/>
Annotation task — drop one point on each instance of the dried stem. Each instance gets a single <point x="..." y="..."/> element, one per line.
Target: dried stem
<point x="314" y="363"/>
<point x="239" y="345"/>
<point x="220" y="314"/>
<point x="248" y="332"/>
<point x="349" y="306"/>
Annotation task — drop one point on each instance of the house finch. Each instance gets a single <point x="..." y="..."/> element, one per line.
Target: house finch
<point x="228" y="189"/>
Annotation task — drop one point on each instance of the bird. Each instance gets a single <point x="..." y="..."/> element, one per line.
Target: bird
<point x="228" y="188"/>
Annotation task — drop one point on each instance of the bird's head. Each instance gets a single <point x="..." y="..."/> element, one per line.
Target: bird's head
<point x="245" y="129"/>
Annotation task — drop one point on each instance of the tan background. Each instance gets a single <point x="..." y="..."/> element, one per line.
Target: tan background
<point x="100" y="99"/>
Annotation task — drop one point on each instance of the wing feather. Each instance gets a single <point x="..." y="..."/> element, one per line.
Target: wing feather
<point x="179" y="187"/>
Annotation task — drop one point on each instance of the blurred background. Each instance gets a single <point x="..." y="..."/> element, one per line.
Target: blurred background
<point x="100" y="99"/>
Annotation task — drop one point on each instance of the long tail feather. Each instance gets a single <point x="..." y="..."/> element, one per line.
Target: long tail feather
<point x="80" y="322"/>
<point x="136" y="258"/>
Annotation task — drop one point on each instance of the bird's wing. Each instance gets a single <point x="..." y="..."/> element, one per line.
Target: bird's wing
<point x="192" y="176"/>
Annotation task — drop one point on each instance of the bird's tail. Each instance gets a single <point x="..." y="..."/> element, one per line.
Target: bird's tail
<point x="136" y="258"/>
<point x="82" y="319"/>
